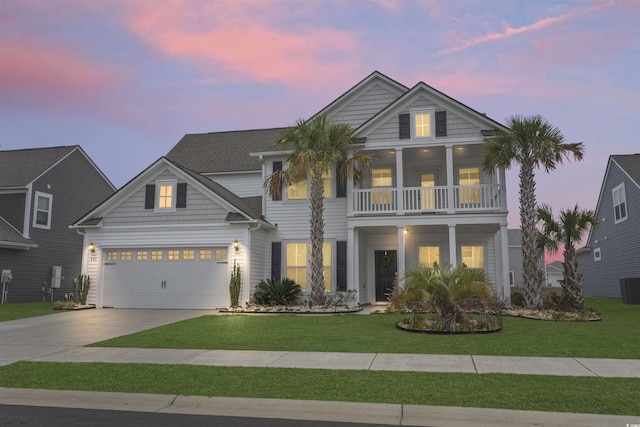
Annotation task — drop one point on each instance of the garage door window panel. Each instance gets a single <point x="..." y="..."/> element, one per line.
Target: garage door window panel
<point x="142" y="255"/>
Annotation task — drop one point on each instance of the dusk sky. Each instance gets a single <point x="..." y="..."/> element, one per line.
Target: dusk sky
<point x="126" y="79"/>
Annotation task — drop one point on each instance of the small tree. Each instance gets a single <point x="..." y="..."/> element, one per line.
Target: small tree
<point x="566" y="232"/>
<point x="234" y="285"/>
<point x="84" y="283"/>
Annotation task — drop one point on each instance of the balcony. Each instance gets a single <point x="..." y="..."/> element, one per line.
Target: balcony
<point x="448" y="199"/>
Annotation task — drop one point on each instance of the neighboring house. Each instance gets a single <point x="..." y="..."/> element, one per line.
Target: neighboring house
<point x="555" y="273"/>
<point x="170" y="236"/>
<point x="42" y="192"/>
<point x="515" y="258"/>
<point x="612" y="251"/>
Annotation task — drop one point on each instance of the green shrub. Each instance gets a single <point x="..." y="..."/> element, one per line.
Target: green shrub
<point x="277" y="292"/>
<point x="84" y="283"/>
<point x="235" y="284"/>
<point x="517" y="299"/>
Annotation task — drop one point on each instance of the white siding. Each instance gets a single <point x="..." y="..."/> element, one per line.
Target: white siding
<point x="364" y="105"/>
<point x="247" y="184"/>
<point x="200" y="210"/>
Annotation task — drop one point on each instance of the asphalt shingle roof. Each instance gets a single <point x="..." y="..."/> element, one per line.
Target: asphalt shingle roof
<point x="631" y="165"/>
<point x="8" y="234"/>
<point x="20" y="167"/>
<point x="223" y="151"/>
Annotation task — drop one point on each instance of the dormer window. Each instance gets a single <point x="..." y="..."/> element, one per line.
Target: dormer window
<point x="166" y="196"/>
<point x="421" y="123"/>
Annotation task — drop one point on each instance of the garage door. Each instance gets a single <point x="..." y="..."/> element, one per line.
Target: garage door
<point x="166" y="278"/>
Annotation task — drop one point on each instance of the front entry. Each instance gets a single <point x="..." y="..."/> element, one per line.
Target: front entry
<point x="386" y="268"/>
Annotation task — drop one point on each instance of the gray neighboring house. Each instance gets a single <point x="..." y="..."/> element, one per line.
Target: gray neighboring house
<point x="555" y="273"/>
<point x="613" y="247"/>
<point x="515" y="257"/>
<point x="42" y="192"/>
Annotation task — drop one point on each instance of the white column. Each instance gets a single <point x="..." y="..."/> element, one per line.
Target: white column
<point x="401" y="266"/>
<point x="399" y="182"/>
<point x="349" y="193"/>
<point x="453" y="254"/>
<point x="504" y="254"/>
<point x="352" y="256"/>
<point x="503" y="188"/>
<point x="449" y="157"/>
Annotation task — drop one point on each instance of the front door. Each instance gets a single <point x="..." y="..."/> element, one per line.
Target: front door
<point x="386" y="268"/>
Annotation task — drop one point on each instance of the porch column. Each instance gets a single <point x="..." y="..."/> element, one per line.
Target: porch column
<point x="352" y="256"/>
<point x="504" y="255"/>
<point x="349" y="193"/>
<point x="401" y="249"/>
<point x="503" y="189"/>
<point x="453" y="253"/>
<point x="450" y="198"/>
<point x="399" y="183"/>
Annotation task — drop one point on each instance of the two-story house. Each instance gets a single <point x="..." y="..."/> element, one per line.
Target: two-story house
<point x="170" y="236"/>
<point x="612" y="251"/>
<point x="42" y="192"/>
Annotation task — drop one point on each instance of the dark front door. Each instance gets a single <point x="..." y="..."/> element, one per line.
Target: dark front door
<point x="386" y="267"/>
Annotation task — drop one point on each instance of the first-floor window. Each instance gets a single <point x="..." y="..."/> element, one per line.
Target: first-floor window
<point x="296" y="261"/>
<point x="473" y="256"/>
<point x="428" y="255"/>
<point x="597" y="254"/>
<point x="326" y="265"/>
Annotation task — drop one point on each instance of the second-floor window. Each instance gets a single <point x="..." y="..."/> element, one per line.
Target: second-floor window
<point x="619" y="203"/>
<point x="469" y="179"/>
<point x="300" y="190"/>
<point x="42" y="210"/>
<point x="381" y="178"/>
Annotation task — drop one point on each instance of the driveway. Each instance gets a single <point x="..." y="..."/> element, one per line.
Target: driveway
<point x="24" y="339"/>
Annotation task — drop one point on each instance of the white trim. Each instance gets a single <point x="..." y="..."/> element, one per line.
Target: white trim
<point x="174" y="189"/>
<point x="431" y="112"/>
<point x="49" y="212"/>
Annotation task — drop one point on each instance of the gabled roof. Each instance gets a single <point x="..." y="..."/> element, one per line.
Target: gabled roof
<point x="21" y="167"/>
<point x="246" y="210"/>
<point x="223" y="151"/>
<point x="12" y="238"/>
<point x="441" y="98"/>
<point x="630" y="164"/>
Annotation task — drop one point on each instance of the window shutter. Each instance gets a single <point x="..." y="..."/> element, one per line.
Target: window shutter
<point x="341" y="266"/>
<point x="150" y="196"/>
<point x="441" y="123"/>
<point x="405" y="126"/>
<point x="276" y="260"/>
<point x="341" y="186"/>
<point x="181" y="197"/>
<point x="277" y="166"/>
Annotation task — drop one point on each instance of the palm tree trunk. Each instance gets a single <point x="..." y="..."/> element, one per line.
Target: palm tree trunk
<point x="572" y="282"/>
<point x="317" y="237"/>
<point x="528" y="226"/>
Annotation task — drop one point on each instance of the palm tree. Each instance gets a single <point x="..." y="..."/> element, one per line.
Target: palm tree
<point x="532" y="143"/>
<point x="451" y="294"/>
<point x="566" y="232"/>
<point x="318" y="146"/>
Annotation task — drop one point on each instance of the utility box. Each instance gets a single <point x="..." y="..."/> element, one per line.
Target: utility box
<point x="630" y="290"/>
<point x="5" y="278"/>
<point x="56" y="276"/>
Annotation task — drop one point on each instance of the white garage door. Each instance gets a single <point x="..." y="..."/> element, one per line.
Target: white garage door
<point x="166" y="278"/>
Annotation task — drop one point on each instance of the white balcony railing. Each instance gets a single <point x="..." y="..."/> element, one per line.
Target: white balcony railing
<point x="484" y="197"/>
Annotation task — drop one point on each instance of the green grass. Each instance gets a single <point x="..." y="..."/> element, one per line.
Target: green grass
<point x="616" y="336"/>
<point x="524" y="392"/>
<point x="21" y="310"/>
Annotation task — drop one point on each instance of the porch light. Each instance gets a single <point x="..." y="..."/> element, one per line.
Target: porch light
<point x="92" y="248"/>
<point x="406" y="230"/>
<point x="236" y="245"/>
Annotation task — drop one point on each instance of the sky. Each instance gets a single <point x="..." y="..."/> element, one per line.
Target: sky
<point x="126" y="79"/>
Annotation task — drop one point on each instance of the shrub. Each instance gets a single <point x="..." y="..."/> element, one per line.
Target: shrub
<point x="84" y="283"/>
<point x="517" y="299"/>
<point x="234" y="285"/>
<point x="277" y="292"/>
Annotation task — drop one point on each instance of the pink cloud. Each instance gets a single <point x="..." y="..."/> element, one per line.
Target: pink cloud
<point x="49" y="76"/>
<point x="245" y="45"/>
<point x="509" y="31"/>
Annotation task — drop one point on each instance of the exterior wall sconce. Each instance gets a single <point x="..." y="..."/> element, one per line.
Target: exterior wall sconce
<point x="92" y="248"/>
<point x="406" y="230"/>
<point x="236" y="245"/>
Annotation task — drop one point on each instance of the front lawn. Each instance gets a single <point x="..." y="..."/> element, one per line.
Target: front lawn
<point x="523" y="392"/>
<point x="616" y="336"/>
<point x="21" y="310"/>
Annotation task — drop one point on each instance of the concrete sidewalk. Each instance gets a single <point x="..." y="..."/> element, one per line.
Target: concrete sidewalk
<point x="562" y="366"/>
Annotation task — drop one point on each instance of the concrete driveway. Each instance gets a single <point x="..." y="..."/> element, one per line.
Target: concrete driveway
<point x="24" y="339"/>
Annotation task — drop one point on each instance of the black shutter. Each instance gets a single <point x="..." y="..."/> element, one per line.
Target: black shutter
<point x="276" y="260"/>
<point x="150" y="196"/>
<point x="341" y="266"/>
<point x="405" y="126"/>
<point x="341" y="186"/>
<point x="181" y="197"/>
<point x="277" y="166"/>
<point x="441" y="123"/>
